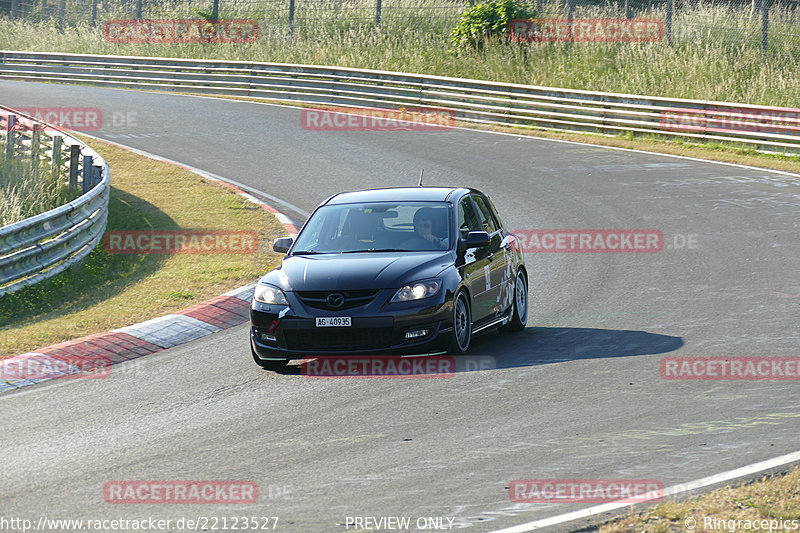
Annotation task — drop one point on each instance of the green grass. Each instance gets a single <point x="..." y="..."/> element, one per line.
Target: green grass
<point x="715" y="54"/>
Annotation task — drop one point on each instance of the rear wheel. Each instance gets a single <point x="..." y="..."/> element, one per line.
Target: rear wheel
<point x="462" y="324"/>
<point x="519" y="316"/>
<point x="275" y="365"/>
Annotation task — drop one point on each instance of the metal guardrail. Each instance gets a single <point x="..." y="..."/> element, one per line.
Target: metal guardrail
<point x="41" y="246"/>
<point x="762" y="128"/>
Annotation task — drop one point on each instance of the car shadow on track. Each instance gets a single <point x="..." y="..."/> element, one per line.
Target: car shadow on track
<point x="541" y="346"/>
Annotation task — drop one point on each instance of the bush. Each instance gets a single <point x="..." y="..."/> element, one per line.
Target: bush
<point x="487" y="20"/>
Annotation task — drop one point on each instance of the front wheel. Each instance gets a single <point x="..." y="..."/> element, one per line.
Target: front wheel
<point x="519" y="317"/>
<point x="462" y="324"/>
<point x="276" y="366"/>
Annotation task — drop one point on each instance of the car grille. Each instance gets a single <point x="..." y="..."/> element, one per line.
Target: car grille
<point x="319" y="299"/>
<point x="338" y="339"/>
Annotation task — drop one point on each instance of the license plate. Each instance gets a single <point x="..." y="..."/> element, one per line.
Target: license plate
<point x="333" y="321"/>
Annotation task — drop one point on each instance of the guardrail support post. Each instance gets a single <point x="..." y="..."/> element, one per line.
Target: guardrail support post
<point x="291" y="17"/>
<point x="215" y="11"/>
<point x="10" y="134"/>
<point x="377" y="14"/>
<point x="97" y="175"/>
<point x="668" y="22"/>
<point x="55" y="161"/>
<point x="627" y="9"/>
<point x="138" y="9"/>
<point x="570" y="13"/>
<point x="94" y="13"/>
<point x="62" y="13"/>
<point x="35" y="143"/>
<point x="87" y="173"/>
<point x="74" y="153"/>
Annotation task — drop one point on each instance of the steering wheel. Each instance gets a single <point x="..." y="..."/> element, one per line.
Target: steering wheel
<point x="417" y="243"/>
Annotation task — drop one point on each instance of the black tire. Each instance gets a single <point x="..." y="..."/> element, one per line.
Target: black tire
<point x="269" y="365"/>
<point x="461" y="336"/>
<point x="519" y="315"/>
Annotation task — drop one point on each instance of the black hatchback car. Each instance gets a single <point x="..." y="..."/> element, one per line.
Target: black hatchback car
<point x="403" y="270"/>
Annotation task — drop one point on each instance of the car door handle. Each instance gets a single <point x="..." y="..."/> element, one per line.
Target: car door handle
<point x="490" y="256"/>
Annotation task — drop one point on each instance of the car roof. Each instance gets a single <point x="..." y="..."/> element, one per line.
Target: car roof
<point x="405" y="194"/>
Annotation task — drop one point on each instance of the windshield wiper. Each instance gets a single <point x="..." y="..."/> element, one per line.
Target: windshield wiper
<point x="307" y="252"/>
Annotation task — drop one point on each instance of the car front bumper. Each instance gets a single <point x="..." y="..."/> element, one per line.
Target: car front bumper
<point x="280" y="333"/>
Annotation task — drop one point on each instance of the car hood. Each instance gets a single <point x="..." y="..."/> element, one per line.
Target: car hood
<point x="369" y="270"/>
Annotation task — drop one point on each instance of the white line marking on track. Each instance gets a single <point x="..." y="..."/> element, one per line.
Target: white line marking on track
<point x="204" y="173"/>
<point x="520" y="135"/>
<point x="669" y="491"/>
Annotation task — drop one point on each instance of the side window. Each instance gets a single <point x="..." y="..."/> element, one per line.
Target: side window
<point x="494" y="212"/>
<point x="467" y="219"/>
<point x="487" y="221"/>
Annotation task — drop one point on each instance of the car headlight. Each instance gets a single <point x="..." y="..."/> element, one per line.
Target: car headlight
<point x="267" y="294"/>
<point x="417" y="290"/>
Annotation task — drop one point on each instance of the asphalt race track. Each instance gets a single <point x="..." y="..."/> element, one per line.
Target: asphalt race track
<point x="577" y="395"/>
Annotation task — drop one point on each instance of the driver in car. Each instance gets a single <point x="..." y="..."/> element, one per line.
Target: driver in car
<point x="424" y="227"/>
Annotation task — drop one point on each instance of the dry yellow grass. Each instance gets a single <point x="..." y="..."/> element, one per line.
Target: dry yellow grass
<point x="775" y="498"/>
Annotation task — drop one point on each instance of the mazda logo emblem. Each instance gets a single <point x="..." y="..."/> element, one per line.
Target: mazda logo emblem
<point x="335" y="299"/>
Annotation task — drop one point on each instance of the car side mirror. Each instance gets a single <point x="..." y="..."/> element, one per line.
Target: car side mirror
<point x="282" y="244"/>
<point x="476" y="239"/>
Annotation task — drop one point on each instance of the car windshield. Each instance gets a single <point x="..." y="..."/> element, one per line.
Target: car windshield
<point x="377" y="227"/>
